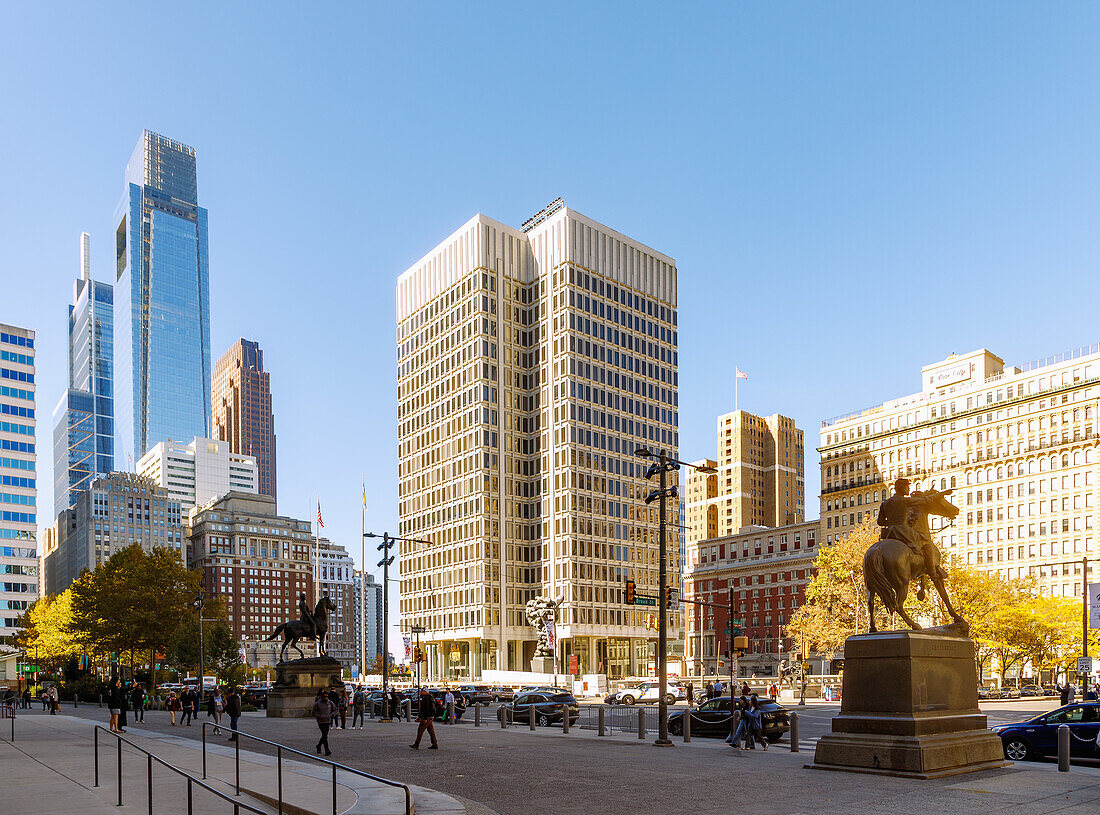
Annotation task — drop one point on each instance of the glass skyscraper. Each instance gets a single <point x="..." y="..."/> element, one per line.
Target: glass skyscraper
<point x="162" y="302"/>
<point x="84" y="418"/>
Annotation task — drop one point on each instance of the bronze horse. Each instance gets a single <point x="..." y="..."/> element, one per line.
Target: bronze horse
<point x="294" y="630"/>
<point x="890" y="565"/>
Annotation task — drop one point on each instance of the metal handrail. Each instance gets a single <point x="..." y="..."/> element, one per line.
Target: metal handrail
<point x="280" y="749"/>
<point x="149" y="759"/>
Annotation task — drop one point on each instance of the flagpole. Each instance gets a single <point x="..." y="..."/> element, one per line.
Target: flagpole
<point x="363" y="588"/>
<point x="735" y="378"/>
<point x="316" y="570"/>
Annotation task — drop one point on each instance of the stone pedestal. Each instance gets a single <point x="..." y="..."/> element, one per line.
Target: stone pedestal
<point x="297" y="683"/>
<point x="543" y="665"/>
<point x="909" y="707"/>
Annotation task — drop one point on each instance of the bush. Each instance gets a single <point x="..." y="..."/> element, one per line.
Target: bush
<point x="87" y="686"/>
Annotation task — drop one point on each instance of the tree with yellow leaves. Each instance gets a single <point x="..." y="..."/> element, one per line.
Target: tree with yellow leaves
<point x="48" y="628"/>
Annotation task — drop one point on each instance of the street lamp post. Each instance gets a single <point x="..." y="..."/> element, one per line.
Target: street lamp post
<point x="384" y="547"/>
<point x="197" y="604"/>
<point x="664" y="463"/>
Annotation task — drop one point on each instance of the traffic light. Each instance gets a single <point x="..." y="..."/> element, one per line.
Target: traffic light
<point x="630" y="590"/>
<point x="672" y="598"/>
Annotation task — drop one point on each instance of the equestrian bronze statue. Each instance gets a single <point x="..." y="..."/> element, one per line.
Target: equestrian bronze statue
<point x="313" y="625"/>
<point x="905" y="552"/>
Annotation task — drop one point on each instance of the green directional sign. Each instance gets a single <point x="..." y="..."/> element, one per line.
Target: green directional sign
<point x="644" y="601"/>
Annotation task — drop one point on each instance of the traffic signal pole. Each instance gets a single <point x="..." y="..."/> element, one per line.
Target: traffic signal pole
<point x="662" y="618"/>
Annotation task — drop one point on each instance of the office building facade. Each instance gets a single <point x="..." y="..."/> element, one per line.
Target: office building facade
<point x="241" y="409"/>
<point x="162" y="302"/>
<point x="760" y="479"/>
<point x="114" y="512"/>
<point x="371" y="617"/>
<point x="332" y="574"/>
<point x="1018" y="445"/>
<point x="532" y="363"/>
<point x="197" y="472"/>
<point x="256" y="560"/>
<point x="18" y="477"/>
<point x="768" y="570"/>
<point x="83" y="422"/>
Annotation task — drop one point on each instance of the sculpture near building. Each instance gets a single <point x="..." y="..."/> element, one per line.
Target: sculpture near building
<point x="541" y="613"/>
<point x="298" y="681"/>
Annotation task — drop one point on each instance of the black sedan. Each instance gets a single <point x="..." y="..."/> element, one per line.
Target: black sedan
<point x="1038" y="737"/>
<point x="712" y="718"/>
<point x="549" y="707"/>
<point x="257" y="697"/>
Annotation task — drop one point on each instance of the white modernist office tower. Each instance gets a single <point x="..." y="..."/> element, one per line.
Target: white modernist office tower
<point x="199" y="472"/>
<point x="532" y="363"/>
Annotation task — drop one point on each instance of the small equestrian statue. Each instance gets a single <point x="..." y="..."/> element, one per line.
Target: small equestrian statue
<point x="312" y="625"/>
<point x="905" y="552"/>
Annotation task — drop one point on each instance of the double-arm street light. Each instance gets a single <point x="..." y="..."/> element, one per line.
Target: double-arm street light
<point x="663" y="463"/>
<point x="384" y="547"/>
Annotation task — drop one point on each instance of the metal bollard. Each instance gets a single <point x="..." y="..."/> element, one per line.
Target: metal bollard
<point x="409" y="709"/>
<point x="794" y="732"/>
<point x="735" y="722"/>
<point x="101" y="700"/>
<point x="477" y="715"/>
<point x="603" y="721"/>
<point x="76" y="701"/>
<point x="641" y="722"/>
<point x="386" y="710"/>
<point x="502" y="714"/>
<point x="687" y="724"/>
<point x="450" y="713"/>
<point x="564" y="719"/>
<point x="1063" y="748"/>
<point x="531" y="717"/>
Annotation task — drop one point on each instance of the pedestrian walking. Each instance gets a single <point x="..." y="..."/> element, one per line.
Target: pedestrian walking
<point x="756" y="730"/>
<point x="174" y="707"/>
<point x="741" y="704"/>
<point x="214" y="709"/>
<point x="26" y="698"/>
<point x="395" y="704"/>
<point x="233" y="710"/>
<point x="342" y="704"/>
<point x="425" y="714"/>
<point x="324" y="711"/>
<point x="448" y="707"/>
<point x="1063" y="694"/>
<point x="745" y="690"/>
<point x="137" y="702"/>
<point x="114" y="705"/>
<point x="44" y="698"/>
<point x="55" y="700"/>
<point x="358" y="705"/>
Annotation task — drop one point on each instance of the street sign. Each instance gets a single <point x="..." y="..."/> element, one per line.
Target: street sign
<point x="1085" y="665"/>
<point x="1094" y="605"/>
<point x="644" y="601"/>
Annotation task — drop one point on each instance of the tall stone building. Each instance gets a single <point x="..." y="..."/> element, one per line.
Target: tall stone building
<point x="760" y="479"/>
<point x="371" y="618"/>
<point x="1017" y="444"/>
<point x="258" y="561"/>
<point x="332" y="574"/>
<point x="532" y="363"/>
<point x="241" y="409"/>
<point x="18" y="477"/>
<point x="113" y="512"/>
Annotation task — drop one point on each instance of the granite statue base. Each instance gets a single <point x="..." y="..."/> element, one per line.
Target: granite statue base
<point x="542" y="665"/>
<point x="297" y="683"/>
<point x="909" y="707"/>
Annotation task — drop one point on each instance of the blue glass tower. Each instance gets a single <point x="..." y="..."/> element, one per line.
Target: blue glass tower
<point x="84" y="429"/>
<point x="162" y="302"/>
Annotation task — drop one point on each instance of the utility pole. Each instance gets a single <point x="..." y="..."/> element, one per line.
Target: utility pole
<point x="664" y="463"/>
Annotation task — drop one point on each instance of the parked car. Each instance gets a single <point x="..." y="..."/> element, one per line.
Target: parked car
<point x="503" y="694"/>
<point x="476" y="694"/>
<point x="255" y="695"/>
<point x="1007" y="693"/>
<point x="646" y="693"/>
<point x="1031" y="690"/>
<point x="712" y="718"/>
<point x="549" y="707"/>
<point x="1037" y="737"/>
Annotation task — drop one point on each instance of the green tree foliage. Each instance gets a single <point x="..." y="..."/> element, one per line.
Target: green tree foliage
<point x="221" y="650"/>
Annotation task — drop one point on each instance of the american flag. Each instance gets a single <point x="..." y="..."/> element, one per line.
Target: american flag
<point x="741" y="374"/>
<point x="320" y="522"/>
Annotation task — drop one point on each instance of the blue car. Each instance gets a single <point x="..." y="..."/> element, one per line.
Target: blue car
<point x="1038" y="737"/>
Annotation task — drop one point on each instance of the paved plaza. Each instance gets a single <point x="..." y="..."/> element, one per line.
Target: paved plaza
<point x="514" y="771"/>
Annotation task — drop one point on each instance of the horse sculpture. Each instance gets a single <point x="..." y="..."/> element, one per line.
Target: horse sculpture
<point x="295" y="630"/>
<point x="890" y="565"/>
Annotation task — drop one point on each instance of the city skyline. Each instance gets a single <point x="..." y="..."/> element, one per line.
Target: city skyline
<point x="954" y="173"/>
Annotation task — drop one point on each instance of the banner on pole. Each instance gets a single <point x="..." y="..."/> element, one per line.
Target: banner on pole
<point x="551" y="635"/>
<point x="408" y="647"/>
<point x="1094" y="605"/>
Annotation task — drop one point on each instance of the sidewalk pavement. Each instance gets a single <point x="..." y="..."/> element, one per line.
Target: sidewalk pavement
<point x="50" y="768"/>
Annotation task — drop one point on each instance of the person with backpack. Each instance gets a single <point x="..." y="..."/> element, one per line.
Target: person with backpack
<point x="425" y="715"/>
<point x="358" y="706"/>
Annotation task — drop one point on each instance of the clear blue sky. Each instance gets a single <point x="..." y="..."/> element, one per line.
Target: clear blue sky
<point x="851" y="190"/>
